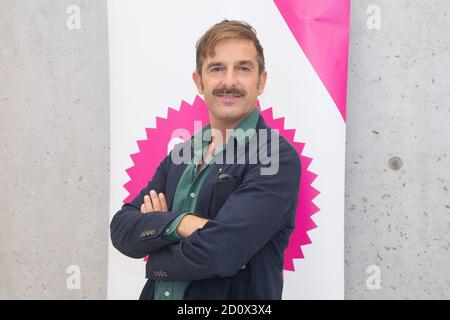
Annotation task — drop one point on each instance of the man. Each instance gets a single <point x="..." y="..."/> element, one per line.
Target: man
<point x="214" y="228"/>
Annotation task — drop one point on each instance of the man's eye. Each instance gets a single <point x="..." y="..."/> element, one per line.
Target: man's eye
<point x="242" y="68"/>
<point x="216" y="69"/>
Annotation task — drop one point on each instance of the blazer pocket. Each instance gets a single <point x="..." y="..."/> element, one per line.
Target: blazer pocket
<point x="220" y="193"/>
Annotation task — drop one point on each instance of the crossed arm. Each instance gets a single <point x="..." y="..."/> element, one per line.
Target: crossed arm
<point x="258" y="209"/>
<point x="154" y="202"/>
<point x="137" y="228"/>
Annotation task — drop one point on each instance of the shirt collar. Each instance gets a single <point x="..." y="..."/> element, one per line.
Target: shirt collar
<point x="240" y="132"/>
<point x="247" y="123"/>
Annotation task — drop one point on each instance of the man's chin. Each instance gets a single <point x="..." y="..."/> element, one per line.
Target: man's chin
<point x="229" y="114"/>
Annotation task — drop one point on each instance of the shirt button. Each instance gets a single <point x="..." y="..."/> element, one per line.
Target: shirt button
<point x="167" y="230"/>
<point x="192" y="195"/>
<point x="167" y="293"/>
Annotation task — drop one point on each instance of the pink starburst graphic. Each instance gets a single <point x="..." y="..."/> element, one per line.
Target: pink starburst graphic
<point x="155" y="148"/>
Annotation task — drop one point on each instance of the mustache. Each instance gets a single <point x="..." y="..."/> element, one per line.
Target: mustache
<point x="233" y="91"/>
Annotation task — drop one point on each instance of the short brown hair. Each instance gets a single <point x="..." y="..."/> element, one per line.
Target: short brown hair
<point x="227" y="29"/>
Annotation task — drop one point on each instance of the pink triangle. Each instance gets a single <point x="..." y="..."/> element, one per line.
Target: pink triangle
<point x="321" y="28"/>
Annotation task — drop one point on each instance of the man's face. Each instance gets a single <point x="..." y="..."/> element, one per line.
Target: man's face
<point x="230" y="81"/>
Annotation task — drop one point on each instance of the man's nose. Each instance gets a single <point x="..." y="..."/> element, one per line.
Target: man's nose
<point x="229" y="79"/>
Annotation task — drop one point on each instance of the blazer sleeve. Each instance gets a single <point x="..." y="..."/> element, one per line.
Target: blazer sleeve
<point x="259" y="208"/>
<point x="137" y="235"/>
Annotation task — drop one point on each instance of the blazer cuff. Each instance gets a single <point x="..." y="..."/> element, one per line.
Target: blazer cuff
<point x="170" y="234"/>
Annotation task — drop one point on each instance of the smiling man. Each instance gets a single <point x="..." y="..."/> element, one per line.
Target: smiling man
<point x="216" y="227"/>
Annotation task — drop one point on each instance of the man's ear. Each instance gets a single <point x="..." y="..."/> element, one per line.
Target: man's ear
<point x="262" y="82"/>
<point x="198" y="81"/>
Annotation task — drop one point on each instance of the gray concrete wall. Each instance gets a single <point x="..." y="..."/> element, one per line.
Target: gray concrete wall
<point x="398" y="216"/>
<point x="54" y="151"/>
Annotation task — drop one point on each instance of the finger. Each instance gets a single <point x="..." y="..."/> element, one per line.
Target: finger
<point x="155" y="200"/>
<point x="143" y="208"/>
<point x="162" y="200"/>
<point x="148" y="204"/>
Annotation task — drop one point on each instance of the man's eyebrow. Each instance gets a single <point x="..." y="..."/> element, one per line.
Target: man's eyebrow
<point x="246" y="62"/>
<point x="214" y="64"/>
<point x="240" y="63"/>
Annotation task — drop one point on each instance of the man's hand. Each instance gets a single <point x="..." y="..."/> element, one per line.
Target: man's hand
<point x="189" y="224"/>
<point x="157" y="202"/>
<point x="154" y="202"/>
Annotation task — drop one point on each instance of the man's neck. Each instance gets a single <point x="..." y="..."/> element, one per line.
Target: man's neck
<point x="220" y="131"/>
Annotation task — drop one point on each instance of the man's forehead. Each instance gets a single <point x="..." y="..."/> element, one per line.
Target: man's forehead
<point x="248" y="59"/>
<point x="246" y="46"/>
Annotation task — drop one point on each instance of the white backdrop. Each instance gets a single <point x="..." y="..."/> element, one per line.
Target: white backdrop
<point x="152" y="56"/>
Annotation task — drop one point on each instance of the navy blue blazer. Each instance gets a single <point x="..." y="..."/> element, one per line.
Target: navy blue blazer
<point x="239" y="253"/>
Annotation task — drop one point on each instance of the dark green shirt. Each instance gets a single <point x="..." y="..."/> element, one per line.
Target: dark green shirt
<point x="186" y="196"/>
